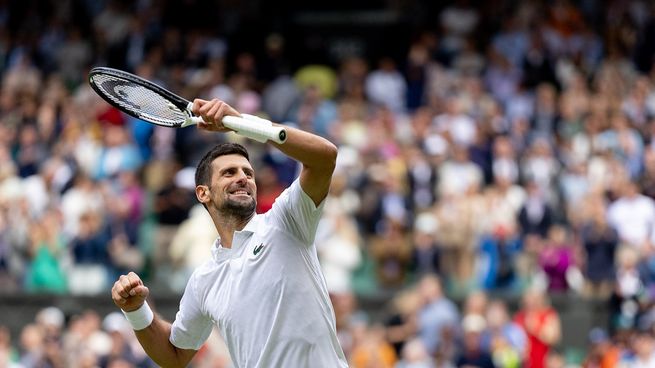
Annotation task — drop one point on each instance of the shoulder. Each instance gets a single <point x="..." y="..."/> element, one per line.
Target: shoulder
<point x="198" y="276"/>
<point x="295" y="198"/>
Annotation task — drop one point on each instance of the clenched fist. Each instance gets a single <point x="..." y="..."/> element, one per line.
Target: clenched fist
<point x="213" y="112"/>
<point x="128" y="292"/>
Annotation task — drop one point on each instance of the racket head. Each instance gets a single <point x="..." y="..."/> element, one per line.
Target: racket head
<point x="139" y="97"/>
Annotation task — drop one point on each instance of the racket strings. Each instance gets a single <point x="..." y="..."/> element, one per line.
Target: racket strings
<point x="142" y="101"/>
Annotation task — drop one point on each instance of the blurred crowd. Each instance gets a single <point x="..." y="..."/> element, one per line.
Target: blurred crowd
<point x="509" y="153"/>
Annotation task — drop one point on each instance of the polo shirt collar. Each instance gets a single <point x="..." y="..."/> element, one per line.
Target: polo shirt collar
<point x="251" y="226"/>
<point x="221" y="253"/>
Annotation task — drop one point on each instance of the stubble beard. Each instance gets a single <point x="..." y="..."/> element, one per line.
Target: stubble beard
<point x="239" y="209"/>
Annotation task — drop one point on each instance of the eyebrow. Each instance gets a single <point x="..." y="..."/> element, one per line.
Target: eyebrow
<point x="246" y="169"/>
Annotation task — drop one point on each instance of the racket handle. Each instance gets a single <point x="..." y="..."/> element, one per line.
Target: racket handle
<point x="255" y="128"/>
<point x="252" y="127"/>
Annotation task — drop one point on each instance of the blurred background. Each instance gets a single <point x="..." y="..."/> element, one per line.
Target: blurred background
<point x="493" y="202"/>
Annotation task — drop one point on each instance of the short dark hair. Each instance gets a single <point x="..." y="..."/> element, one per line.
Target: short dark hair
<point x="204" y="169"/>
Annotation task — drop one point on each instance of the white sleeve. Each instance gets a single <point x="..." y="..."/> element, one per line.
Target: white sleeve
<point x="191" y="327"/>
<point x="295" y="212"/>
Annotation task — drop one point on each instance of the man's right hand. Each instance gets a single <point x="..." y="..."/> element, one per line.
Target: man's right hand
<point x="128" y="292"/>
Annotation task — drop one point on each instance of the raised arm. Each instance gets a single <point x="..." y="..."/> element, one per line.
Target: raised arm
<point x="129" y="294"/>
<point x="318" y="157"/>
<point x="317" y="154"/>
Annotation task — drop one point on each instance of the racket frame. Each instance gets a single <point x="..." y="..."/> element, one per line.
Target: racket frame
<point x="252" y="128"/>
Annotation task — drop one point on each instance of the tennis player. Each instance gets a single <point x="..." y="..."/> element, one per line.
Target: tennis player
<point x="262" y="286"/>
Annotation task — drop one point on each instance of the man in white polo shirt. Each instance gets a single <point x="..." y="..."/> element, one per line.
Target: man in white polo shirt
<point x="262" y="286"/>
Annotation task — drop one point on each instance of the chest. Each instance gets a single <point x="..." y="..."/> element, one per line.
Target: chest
<point x="263" y="271"/>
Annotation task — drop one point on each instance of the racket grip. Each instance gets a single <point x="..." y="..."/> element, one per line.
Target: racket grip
<point x="249" y="126"/>
<point x="255" y="128"/>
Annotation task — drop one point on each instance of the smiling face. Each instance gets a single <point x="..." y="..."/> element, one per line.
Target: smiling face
<point x="233" y="191"/>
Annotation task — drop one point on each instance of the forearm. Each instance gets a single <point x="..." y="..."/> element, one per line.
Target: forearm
<point x="156" y="343"/>
<point x="311" y="150"/>
<point x="318" y="157"/>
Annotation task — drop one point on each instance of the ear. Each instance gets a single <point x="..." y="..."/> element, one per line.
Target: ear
<point x="202" y="193"/>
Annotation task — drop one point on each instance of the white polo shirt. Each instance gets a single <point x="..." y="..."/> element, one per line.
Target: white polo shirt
<point x="266" y="294"/>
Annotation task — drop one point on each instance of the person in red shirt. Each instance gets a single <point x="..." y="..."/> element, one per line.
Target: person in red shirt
<point x="541" y="324"/>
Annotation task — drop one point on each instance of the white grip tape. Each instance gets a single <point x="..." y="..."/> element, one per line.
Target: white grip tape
<point x="256" y="118"/>
<point x="252" y="127"/>
<point x="249" y="126"/>
<point x="255" y="128"/>
<point x="140" y="318"/>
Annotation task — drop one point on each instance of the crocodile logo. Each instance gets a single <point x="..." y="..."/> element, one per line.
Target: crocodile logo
<point x="258" y="249"/>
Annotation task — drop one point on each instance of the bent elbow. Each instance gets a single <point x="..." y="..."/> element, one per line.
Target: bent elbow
<point x="331" y="156"/>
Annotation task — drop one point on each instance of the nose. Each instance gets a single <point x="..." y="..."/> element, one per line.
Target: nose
<point x="241" y="176"/>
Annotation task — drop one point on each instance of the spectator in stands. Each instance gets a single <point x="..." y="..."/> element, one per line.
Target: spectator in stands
<point x="267" y="179"/>
<point x="455" y="213"/>
<point x="118" y="153"/>
<point x="574" y="184"/>
<point x="624" y="304"/>
<point x="473" y="354"/>
<point x="315" y="111"/>
<point x="541" y="325"/>
<point x="458" y="127"/>
<point x="436" y="314"/>
<point x="31" y="342"/>
<point x="123" y="345"/>
<point x="385" y="86"/>
<point x="643" y="349"/>
<point x="540" y="165"/>
<point x="8" y="355"/>
<point x="338" y="241"/>
<point x="414" y="355"/>
<point x="503" y="338"/>
<point x="625" y="142"/>
<point x="504" y="200"/>
<point x="600" y="241"/>
<point x="557" y="258"/>
<point x="402" y="325"/>
<point x="171" y="207"/>
<point x="372" y="350"/>
<point x="187" y="250"/>
<point x="31" y="152"/>
<point x="391" y="252"/>
<point x="425" y="250"/>
<point x="603" y="353"/>
<point x="499" y="252"/>
<point x="90" y="273"/>
<point x="47" y="249"/>
<point x="632" y="215"/>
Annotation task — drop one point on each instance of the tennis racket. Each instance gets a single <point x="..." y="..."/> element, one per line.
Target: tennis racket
<point x="149" y="102"/>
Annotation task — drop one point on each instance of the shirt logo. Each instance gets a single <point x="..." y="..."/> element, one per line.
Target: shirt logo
<point x="258" y="249"/>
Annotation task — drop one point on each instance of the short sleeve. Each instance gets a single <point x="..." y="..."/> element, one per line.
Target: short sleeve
<point x="191" y="327"/>
<point x="296" y="212"/>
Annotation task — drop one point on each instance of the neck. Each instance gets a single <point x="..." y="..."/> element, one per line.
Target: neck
<point x="227" y="224"/>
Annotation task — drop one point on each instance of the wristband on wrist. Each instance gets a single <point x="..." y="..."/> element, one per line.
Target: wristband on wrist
<point x="140" y="318"/>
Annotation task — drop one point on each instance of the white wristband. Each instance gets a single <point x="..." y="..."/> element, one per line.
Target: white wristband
<point x="140" y="318"/>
